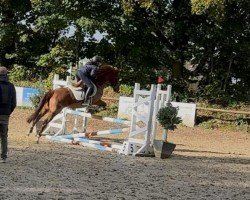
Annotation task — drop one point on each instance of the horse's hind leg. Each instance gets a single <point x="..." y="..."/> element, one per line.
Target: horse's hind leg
<point x="49" y="117"/>
<point x="40" y="115"/>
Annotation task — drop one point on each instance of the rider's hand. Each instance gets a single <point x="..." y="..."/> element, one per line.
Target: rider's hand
<point x="77" y="84"/>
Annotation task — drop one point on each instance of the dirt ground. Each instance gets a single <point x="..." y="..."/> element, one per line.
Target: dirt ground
<point x="207" y="164"/>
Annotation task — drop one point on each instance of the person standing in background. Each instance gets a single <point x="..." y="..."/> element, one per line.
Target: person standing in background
<point x="7" y="106"/>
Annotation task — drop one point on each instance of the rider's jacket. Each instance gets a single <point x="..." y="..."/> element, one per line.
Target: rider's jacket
<point x="88" y="70"/>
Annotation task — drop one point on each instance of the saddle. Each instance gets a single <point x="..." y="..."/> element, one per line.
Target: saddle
<point x="79" y="92"/>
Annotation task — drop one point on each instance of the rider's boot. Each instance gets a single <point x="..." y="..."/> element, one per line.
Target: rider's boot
<point x="87" y="101"/>
<point x="87" y="98"/>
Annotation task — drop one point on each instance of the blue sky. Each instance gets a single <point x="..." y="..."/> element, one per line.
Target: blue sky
<point x="98" y="36"/>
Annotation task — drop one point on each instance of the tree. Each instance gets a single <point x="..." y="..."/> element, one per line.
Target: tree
<point x="12" y="15"/>
<point x="204" y="34"/>
<point x="180" y="39"/>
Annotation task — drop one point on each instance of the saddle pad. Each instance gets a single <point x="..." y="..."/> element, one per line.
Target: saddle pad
<point x="77" y="92"/>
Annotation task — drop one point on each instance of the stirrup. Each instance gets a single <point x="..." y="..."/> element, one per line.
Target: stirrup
<point x="88" y="102"/>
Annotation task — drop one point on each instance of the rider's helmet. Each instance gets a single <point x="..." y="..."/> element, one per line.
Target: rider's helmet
<point x="97" y="60"/>
<point x="3" y="70"/>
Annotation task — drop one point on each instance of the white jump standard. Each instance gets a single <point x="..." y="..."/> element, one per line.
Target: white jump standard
<point x="140" y="138"/>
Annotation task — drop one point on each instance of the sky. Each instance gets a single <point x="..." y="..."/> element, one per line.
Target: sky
<point x="98" y="36"/>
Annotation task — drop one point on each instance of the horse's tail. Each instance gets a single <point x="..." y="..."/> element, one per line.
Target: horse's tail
<point x="43" y="101"/>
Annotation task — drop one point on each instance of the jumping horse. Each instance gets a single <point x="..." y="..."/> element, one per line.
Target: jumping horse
<point x="55" y="100"/>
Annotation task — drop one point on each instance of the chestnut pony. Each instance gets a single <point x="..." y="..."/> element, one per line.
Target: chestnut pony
<point x="55" y="100"/>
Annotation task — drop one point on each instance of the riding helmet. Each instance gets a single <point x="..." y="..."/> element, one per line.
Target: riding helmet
<point x="3" y="70"/>
<point x="97" y="59"/>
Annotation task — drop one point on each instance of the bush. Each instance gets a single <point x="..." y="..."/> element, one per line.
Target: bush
<point x="43" y="85"/>
<point x="19" y="73"/>
<point x="111" y="110"/>
<point x="17" y="76"/>
<point x="126" y="90"/>
<point x="35" y="99"/>
<point x="167" y="117"/>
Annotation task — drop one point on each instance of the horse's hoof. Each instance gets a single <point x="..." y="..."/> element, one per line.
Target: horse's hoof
<point x="30" y="131"/>
<point x="100" y="108"/>
<point x="38" y="139"/>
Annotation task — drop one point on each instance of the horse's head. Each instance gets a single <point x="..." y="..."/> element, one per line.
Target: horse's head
<point x="108" y="74"/>
<point x="114" y="80"/>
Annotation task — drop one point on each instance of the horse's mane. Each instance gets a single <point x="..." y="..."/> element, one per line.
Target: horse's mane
<point x="105" y="73"/>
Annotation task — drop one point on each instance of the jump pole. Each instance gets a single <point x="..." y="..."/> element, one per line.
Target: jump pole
<point x="114" y="131"/>
<point x="107" y="119"/>
<point x="101" y="145"/>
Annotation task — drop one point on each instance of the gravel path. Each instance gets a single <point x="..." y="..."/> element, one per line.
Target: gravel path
<point x="205" y="165"/>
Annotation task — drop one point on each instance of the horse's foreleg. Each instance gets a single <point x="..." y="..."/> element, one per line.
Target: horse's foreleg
<point x="100" y="103"/>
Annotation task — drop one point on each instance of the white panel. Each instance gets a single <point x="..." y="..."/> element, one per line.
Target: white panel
<point x="186" y="110"/>
<point x="19" y="95"/>
<point x="125" y="107"/>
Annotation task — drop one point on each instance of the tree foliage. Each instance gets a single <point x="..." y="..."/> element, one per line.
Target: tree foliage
<point x="205" y="41"/>
<point x="167" y="117"/>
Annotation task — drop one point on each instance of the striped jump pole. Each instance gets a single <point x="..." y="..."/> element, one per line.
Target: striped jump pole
<point x="101" y="145"/>
<point x="114" y="131"/>
<point x="59" y="139"/>
<point x="107" y="119"/>
<point x="96" y="146"/>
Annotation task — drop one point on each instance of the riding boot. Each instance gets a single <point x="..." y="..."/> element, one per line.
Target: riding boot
<point x="87" y="102"/>
<point x="87" y="99"/>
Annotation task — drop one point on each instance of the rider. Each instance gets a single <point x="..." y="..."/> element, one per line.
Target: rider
<point x="86" y="74"/>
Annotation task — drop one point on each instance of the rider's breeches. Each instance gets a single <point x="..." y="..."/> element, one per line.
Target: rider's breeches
<point x="88" y="83"/>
